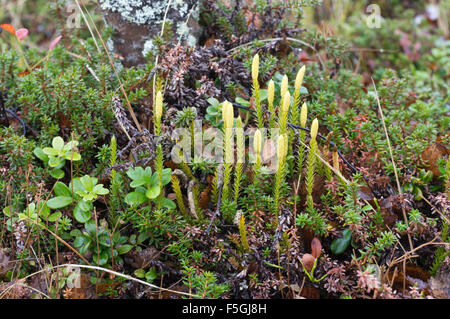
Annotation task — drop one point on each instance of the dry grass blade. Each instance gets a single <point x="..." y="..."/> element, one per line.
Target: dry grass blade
<point x="96" y="268"/>
<point x="130" y="109"/>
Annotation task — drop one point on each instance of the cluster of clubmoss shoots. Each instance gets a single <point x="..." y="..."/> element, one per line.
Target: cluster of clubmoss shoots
<point x="228" y="117"/>
<point x="240" y="151"/>
<point x="158" y="106"/>
<point x="256" y="93"/>
<point x="310" y="173"/>
<point x="282" y="148"/>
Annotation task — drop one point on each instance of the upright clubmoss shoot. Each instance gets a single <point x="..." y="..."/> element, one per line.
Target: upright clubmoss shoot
<point x="283" y="113"/>
<point x="243" y="234"/>
<point x="157" y="130"/>
<point x="311" y="163"/>
<point x="240" y="150"/>
<point x="280" y="175"/>
<point x="296" y="106"/>
<point x="256" y="92"/>
<point x="228" y="117"/>
<point x="302" y="135"/>
<point x="284" y="88"/>
<point x="270" y="99"/>
<point x="257" y="144"/>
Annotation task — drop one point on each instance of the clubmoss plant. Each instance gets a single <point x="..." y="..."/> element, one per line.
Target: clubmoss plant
<point x="270" y="99"/>
<point x="256" y="92"/>
<point x="296" y="106"/>
<point x="178" y="195"/>
<point x="116" y="185"/>
<point x="228" y="116"/>
<point x="240" y="150"/>
<point x="257" y="144"/>
<point x="311" y="170"/>
<point x="243" y="234"/>
<point x="302" y="135"/>
<point x="284" y="112"/>
<point x="157" y="130"/>
<point x="284" y="88"/>
<point x="280" y="175"/>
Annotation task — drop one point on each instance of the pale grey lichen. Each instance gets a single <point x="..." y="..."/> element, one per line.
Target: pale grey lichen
<point x="191" y="40"/>
<point x="148" y="47"/>
<point x="143" y="11"/>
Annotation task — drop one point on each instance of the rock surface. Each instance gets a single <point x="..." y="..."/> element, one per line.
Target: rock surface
<point x="137" y="22"/>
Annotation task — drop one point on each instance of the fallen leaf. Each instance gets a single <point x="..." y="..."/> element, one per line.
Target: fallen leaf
<point x="316" y="247"/>
<point x="308" y="261"/>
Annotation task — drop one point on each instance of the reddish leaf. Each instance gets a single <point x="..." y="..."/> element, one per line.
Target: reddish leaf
<point x="316" y="247"/>
<point x="54" y="42"/>
<point x="9" y="28"/>
<point x="22" y="33"/>
<point x="308" y="261"/>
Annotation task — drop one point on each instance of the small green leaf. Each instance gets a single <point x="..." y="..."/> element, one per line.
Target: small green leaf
<point x="213" y="101"/>
<point x="54" y="161"/>
<point x="169" y="204"/>
<point x="243" y="102"/>
<point x="153" y="192"/>
<point x="339" y="245"/>
<point x="100" y="259"/>
<point x="151" y="275"/>
<point x="124" y="249"/>
<point x="143" y="237"/>
<point x="91" y="228"/>
<point x="81" y="241"/>
<point x="70" y="145"/>
<point x="39" y="153"/>
<point x="58" y="143"/>
<point x="140" y="273"/>
<point x="87" y="182"/>
<point x="100" y="190"/>
<point x="166" y="176"/>
<point x="72" y="156"/>
<point x="135" y="198"/>
<point x="50" y="151"/>
<point x="59" y="202"/>
<point x="7" y="211"/>
<point x="61" y="189"/>
<point x="82" y="212"/>
<point x="54" y="217"/>
<point x="57" y="173"/>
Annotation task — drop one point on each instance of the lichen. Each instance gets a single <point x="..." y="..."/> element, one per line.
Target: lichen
<point x="143" y="11"/>
<point x="148" y="47"/>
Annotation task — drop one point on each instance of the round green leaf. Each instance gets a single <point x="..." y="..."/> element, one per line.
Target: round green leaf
<point x="135" y="198"/>
<point x="153" y="192"/>
<point x="82" y="212"/>
<point x="62" y="190"/>
<point x="57" y="173"/>
<point x="59" y="202"/>
<point x="58" y="143"/>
